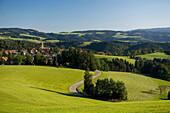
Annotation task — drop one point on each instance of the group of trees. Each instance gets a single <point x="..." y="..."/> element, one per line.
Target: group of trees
<point x="77" y="58"/>
<point x="117" y="65"/>
<point x="132" y="53"/>
<point x="17" y="45"/>
<point x="105" y="88"/>
<point x="157" y="68"/>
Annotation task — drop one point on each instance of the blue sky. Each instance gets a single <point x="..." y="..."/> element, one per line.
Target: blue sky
<point x="71" y="15"/>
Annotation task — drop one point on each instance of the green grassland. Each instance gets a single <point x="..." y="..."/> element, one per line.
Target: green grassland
<point x="79" y="34"/>
<point x="132" y="61"/>
<point x="52" y="41"/>
<point x="31" y="40"/>
<point x="124" y="35"/>
<point x="28" y="35"/>
<point x="139" y="87"/>
<point x="151" y="56"/>
<point x="39" y="89"/>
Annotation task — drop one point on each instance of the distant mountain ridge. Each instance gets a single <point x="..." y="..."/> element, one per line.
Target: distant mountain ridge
<point x="166" y="29"/>
<point x="139" y="35"/>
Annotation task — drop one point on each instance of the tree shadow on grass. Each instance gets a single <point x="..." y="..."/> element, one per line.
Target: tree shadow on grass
<point x="66" y="94"/>
<point x="149" y="92"/>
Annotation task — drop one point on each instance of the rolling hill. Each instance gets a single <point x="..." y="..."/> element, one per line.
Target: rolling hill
<point x="37" y="89"/>
<point x="90" y="35"/>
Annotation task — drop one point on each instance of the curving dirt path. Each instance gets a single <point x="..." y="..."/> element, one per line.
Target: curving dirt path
<point x="74" y="88"/>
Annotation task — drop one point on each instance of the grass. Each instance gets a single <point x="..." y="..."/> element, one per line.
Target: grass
<point x="132" y="61"/>
<point x="121" y="35"/>
<point x="31" y="40"/>
<point x="39" y="89"/>
<point x="52" y="41"/>
<point x="151" y="56"/>
<point x="139" y="87"/>
<point x="33" y="36"/>
<point x="79" y="34"/>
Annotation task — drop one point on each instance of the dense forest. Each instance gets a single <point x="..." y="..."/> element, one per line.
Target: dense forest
<point x="17" y="45"/>
<point x="91" y="35"/>
<point x="125" y="48"/>
<point x="112" y="47"/>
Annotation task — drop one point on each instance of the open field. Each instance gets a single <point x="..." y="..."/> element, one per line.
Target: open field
<point x="132" y="61"/>
<point x="124" y="35"/>
<point x="39" y="89"/>
<point x="139" y="87"/>
<point x="52" y="41"/>
<point x="155" y="55"/>
<point x="31" y="40"/>
<point x="33" y="36"/>
<point x="79" y="34"/>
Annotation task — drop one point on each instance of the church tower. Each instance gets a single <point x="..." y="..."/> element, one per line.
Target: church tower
<point x="42" y="46"/>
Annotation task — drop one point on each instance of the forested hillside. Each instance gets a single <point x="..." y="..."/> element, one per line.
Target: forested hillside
<point x="110" y="47"/>
<point x="90" y="35"/>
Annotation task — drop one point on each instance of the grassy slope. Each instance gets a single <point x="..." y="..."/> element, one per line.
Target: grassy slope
<point x="31" y="40"/>
<point x="139" y="87"/>
<point x="132" y="61"/>
<point x="45" y="89"/>
<point x="155" y="55"/>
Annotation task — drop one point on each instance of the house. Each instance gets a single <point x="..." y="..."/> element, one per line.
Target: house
<point x="8" y="51"/>
<point x="100" y="53"/>
<point x="5" y="58"/>
<point x="38" y="53"/>
<point x="33" y="51"/>
<point x="54" y="54"/>
<point x="61" y="50"/>
<point x="24" y="51"/>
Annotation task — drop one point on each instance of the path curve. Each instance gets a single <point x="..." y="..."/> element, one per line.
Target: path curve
<point x="74" y="88"/>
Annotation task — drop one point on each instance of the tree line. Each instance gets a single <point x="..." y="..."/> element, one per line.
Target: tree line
<point x="159" y="68"/>
<point x="104" y="88"/>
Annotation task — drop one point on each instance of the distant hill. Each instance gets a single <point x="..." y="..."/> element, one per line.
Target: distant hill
<point x="167" y="29"/>
<point x="144" y="35"/>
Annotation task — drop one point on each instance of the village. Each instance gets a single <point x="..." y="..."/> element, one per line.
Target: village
<point x="47" y="52"/>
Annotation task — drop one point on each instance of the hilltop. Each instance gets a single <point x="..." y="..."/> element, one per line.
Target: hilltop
<point x="156" y="34"/>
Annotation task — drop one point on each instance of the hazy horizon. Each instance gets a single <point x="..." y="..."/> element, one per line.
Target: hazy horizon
<point x="80" y="15"/>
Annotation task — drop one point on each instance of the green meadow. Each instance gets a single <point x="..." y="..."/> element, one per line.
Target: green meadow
<point x="139" y="87"/>
<point x="39" y="89"/>
<point x="52" y="41"/>
<point x="151" y="56"/>
<point x="124" y="35"/>
<point x="33" y="36"/>
<point x="132" y="61"/>
<point x="31" y="40"/>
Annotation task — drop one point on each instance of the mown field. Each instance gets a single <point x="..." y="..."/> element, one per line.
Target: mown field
<point x="132" y="61"/>
<point x="155" y="55"/>
<point x="39" y="89"/>
<point x="139" y="87"/>
<point x="31" y="40"/>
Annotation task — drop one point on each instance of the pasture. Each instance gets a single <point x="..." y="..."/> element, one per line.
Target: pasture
<point x="139" y="87"/>
<point x="151" y="56"/>
<point x="31" y="40"/>
<point x="132" y="61"/>
<point x="37" y="89"/>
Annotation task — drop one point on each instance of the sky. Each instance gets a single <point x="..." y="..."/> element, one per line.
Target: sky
<point x="76" y="15"/>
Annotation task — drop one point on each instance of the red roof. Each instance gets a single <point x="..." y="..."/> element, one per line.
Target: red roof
<point x="5" y="58"/>
<point x="7" y="51"/>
